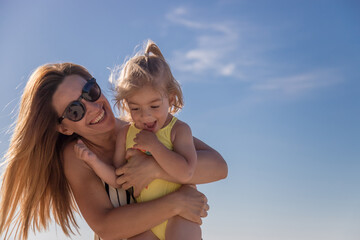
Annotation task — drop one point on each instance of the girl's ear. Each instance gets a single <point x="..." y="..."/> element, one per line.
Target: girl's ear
<point x="64" y="130"/>
<point x="171" y="99"/>
<point x="126" y="106"/>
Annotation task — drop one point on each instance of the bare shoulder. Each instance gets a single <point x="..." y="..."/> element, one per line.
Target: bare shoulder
<point x="180" y="128"/>
<point x="73" y="166"/>
<point x="121" y="136"/>
<point x="87" y="188"/>
<point x="121" y="123"/>
<point x="69" y="157"/>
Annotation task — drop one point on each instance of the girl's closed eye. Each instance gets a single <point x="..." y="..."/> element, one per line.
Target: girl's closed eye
<point x="134" y="109"/>
<point x="155" y="106"/>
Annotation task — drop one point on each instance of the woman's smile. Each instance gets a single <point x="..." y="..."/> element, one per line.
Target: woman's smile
<point x="99" y="118"/>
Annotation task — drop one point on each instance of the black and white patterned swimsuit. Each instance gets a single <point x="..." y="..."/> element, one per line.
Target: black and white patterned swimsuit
<point x="118" y="197"/>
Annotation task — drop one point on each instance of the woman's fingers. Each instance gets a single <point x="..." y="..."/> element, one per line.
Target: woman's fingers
<point x="121" y="180"/>
<point x="126" y="186"/>
<point x="137" y="192"/>
<point x="139" y="171"/>
<point x="119" y="171"/>
<point x="204" y="211"/>
<point x="123" y="183"/>
<point x="131" y="152"/>
<point x="195" y="204"/>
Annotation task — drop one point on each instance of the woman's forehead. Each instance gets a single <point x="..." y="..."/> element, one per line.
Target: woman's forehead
<point x="70" y="89"/>
<point x="72" y="83"/>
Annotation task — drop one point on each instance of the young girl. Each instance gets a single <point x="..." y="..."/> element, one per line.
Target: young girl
<point x="149" y="95"/>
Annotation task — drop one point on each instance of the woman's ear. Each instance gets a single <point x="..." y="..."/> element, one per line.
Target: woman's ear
<point x="64" y="130"/>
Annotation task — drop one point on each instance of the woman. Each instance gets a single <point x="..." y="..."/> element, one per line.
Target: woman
<point x="43" y="174"/>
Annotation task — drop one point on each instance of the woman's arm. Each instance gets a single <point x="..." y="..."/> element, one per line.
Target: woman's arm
<point x="126" y="221"/>
<point x="210" y="167"/>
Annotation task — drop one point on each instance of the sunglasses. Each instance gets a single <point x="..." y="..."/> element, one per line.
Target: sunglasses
<point x="76" y="110"/>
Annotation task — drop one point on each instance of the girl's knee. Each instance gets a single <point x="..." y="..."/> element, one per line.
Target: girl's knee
<point x="179" y="228"/>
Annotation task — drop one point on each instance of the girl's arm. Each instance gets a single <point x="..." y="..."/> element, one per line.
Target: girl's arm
<point x="180" y="163"/>
<point x="210" y="167"/>
<point x="126" y="221"/>
<point x="105" y="171"/>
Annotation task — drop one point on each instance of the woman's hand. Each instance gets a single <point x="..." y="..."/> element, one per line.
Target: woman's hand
<point x="192" y="203"/>
<point x="138" y="172"/>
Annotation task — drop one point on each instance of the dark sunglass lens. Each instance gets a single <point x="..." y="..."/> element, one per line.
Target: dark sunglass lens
<point x="91" y="92"/>
<point x="75" y="111"/>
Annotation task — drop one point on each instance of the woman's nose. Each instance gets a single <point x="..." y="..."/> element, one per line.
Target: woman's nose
<point x="92" y="106"/>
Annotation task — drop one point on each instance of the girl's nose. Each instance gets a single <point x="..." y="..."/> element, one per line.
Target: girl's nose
<point x="145" y="113"/>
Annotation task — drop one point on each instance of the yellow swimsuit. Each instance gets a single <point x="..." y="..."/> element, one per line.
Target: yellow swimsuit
<point x="158" y="187"/>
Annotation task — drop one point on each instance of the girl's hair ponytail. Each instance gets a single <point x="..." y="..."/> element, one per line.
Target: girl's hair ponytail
<point x="146" y="68"/>
<point x="151" y="47"/>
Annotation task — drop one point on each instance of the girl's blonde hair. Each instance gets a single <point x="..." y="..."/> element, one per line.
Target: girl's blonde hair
<point x="146" y="68"/>
<point x="34" y="182"/>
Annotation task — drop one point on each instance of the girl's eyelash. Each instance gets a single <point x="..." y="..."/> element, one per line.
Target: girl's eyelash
<point x="134" y="109"/>
<point x="154" y="106"/>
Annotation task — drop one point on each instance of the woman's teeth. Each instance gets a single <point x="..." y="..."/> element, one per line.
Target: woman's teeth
<point x="98" y="118"/>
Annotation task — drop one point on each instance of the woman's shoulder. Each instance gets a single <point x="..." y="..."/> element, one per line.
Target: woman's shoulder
<point x="123" y="129"/>
<point x="71" y="163"/>
<point x="69" y="153"/>
<point x="68" y="150"/>
<point x="122" y="124"/>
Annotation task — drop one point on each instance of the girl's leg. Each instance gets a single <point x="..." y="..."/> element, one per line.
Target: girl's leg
<point x="148" y="235"/>
<point x="179" y="228"/>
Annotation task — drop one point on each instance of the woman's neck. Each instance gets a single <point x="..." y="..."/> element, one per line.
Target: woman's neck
<point x="104" y="145"/>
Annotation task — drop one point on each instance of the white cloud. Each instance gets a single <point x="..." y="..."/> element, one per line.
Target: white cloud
<point x="214" y="43"/>
<point x="179" y="15"/>
<point x="297" y="84"/>
<point x="228" y="70"/>
<point x="240" y="51"/>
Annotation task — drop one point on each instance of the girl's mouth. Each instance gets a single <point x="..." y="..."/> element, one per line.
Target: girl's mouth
<point x="150" y="126"/>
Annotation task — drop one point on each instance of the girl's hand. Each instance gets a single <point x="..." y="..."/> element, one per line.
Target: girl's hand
<point x="83" y="152"/>
<point x="138" y="172"/>
<point x="192" y="203"/>
<point x="145" y="140"/>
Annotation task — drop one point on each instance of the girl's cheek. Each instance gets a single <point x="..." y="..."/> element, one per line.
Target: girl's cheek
<point x="134" y="116"/>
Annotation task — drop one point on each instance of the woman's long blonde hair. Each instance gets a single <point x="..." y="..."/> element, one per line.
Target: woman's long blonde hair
<point x="34" y="182"/>
<point x="147" y="68"/>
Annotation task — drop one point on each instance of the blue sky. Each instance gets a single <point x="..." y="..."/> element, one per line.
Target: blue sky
<point x="272" y="85"/>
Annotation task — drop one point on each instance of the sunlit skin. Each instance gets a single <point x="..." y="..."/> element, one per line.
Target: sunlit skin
<point x="100" y="135"/>
<point x="44" y="167"/>
<point x="100" y="128"/>
<point x="99" y="119"/>
<point x="149" y="111"/>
